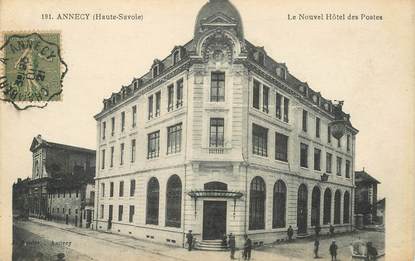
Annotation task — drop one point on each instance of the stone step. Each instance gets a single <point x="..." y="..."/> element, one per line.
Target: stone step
<point x="210" y="245"/>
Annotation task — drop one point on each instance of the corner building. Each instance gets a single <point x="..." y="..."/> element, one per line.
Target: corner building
<point x="219" y="138"/>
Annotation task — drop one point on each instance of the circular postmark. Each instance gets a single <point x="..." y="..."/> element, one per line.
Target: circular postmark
<point x="33" y="69"/>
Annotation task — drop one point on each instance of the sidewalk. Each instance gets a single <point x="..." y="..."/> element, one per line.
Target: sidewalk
<point x="164" y="251"/>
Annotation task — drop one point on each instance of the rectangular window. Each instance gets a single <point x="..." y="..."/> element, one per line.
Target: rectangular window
<point x="281" y="147"/>
<point x="170" y="97"/>
<point x="132" y="187"/>
<point x="329" y="159"/>
<point x="69" y="211"/>
<point x="255" y="95"/>
<point x="179" y="94"/>
<point x="103" y="159"/>
<point x="305" y="115"/>
<point x="317" y="159"/>
<point x="158" y="101"/>
<point x="112" y="126"/>
<point x="317" y="127"/>
<point x="339" y="166"/>
<point x="217" y="87"/>
<point x="153" y="145"/>
<point x="103" y="189"/>
<point x="134" y="116"/>
<point x="265" y="99"/>
<point x="76" y="193"/>
<point x="286" y="108"/>
<point x="112" y="157"/>
<point x="304" y="155"/>
<point x="102" y="211"/>
<point x="339" y="142"/>
<point x="174" y="139"/>
<point x="347" y="169"/>
<point x="131" y="214"/>
<point x="120" y="212"/>
<point x="111" y="189"/>
<point x="122" y="153"/>
<point x="217" y="132"/>
<point x="259" y="140"/>
<point x="122" y="121"/>
<point x="348" y="142"/>
<point x="133" y="148"/>
<point x="104" y="127"/>
<point x="278" y="103"/>
<point x="328" y="134"/>
<point x="150" y="107"/>
<point x="121" y="189"/>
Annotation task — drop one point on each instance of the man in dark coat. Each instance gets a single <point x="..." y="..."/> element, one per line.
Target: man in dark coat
<point x="231" y="244"/>
<point x="317" y="230"/>
<point x="316" y="245"/>
<point x="189" y="237"/>
<point x="331" y="230"/>
<point x="290" y="233"/>
<point x="333" y="250"/>
<point x="247" y="248"/>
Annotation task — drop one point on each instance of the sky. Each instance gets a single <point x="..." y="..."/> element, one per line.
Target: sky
<point x="368" y="64"/>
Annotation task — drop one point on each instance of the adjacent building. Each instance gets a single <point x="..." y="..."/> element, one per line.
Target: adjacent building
<point x="218" y="137"/>
<point x="62" y="184"/>
<point x="366" y="196"/>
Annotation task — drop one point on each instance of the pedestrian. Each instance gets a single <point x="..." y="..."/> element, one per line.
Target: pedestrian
<point x="225" y="240"/>
<point x="317" y="230"/>
<point x="290" y="233"/>
<point x="333" y="250"/>
<point x="231" y="244"/>
<point x="331" y="230"/>
<point x="316" y="245"/>
<point x="247" y="248"/>
<point x="189" y="237"/>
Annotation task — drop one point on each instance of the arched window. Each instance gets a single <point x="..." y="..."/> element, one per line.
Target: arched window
<point x="346" y="208"/>
<point x="173" y="202"/>
<point x="337" y="199"/>
<point x="327" y="206"/>
<point x="315" y="206"/>
<point x="153" y="190"/>
<point x="280" y="196"/>
<point x="215" y="185"/>
<point x="302" y="209"/>
<point x="257" y="204"/>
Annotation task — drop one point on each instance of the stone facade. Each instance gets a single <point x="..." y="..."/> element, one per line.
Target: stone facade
<point x="242" y="120"/>
<point x="62" y="186"/>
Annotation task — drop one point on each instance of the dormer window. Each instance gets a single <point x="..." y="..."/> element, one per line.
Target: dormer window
<point x="114" y="99"/>
<point x="156" y="71"/>
<point x="282" y="73"/>
<point x="135" y="85"/>
<point x="261" y="58"/>
<point x="176" y="57"/>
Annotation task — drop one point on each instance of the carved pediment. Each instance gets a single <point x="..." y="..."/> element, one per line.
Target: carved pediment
<point x="219" y="18"/>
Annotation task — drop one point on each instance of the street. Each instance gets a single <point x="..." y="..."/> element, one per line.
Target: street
<point x="45" y="240"/>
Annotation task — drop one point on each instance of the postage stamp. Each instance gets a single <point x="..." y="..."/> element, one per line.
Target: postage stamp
<point x="33" y="69"/>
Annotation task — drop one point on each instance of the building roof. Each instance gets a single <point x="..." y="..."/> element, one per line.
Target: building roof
<point x="218" y="12"/>
<point x="363" y="176"/>
<point x="38" y="141"/>
<point x="214" y="7"/>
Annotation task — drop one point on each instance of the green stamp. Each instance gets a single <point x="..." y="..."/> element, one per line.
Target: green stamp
<point x="33" y="69"/>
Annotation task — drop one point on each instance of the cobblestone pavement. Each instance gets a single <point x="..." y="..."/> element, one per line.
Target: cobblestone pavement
<point x="89" y="245"/>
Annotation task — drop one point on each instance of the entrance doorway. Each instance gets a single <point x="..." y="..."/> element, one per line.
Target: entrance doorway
<point x="214" y="219"/>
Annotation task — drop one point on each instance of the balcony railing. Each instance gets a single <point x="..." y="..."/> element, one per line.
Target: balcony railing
<point x="217" y="150"/>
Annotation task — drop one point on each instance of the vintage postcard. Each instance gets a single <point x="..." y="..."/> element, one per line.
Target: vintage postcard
<point x="207" y="130"/>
